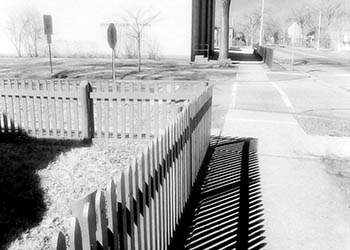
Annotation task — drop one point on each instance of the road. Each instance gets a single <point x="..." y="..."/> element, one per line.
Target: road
<point x="330" y="67"/>
<point x="296" y="118"/>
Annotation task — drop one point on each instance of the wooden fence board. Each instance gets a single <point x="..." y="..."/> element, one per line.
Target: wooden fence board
<point x="131" y="103"/>
<point x="89" y="227"/>
<point x="139" y="116"/>
<point x="137" y="200"/>
<point x="115" y="117"/>
<point x="76" y="118"/>
<point x="47" y="110"/>
<point x="75" y="235"/>
<point x="123" y="119"/>
<point x="99" y="118"/>
<point x="101" y="221"/>
<point x="4" y="116"/>
<point x="59" y="241"/>
<point x="147" y="201"/>
<point x="112" y="213"/>
<point x="106" y="118"/>
<point x="122" y="213"/>
<point x="158" y="197"/>
<point x="152" y="194"/>
<point x="69" y="117"/>
<point x="130" y="205"/>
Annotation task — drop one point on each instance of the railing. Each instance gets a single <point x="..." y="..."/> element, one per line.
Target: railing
<point x="73" y="109"/>
<point x="143" y="209"/>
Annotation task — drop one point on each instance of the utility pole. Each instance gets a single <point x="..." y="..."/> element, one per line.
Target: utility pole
<point x="262" y="22"/>
<point x="319" y="31"/>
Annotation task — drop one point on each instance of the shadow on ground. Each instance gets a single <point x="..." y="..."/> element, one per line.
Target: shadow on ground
<point x="238" y="56"/>
<point x="22" y="200"/>
<point x="226" y="207"/>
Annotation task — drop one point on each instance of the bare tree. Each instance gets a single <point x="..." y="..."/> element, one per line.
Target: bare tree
<point x="250" y="24"/>
<point x="302" y="15"/>
<point x="15" y="26"/>
<point x="335" y="16"/>
<point x="25" y="30"/>
<point x="137" y="22"/>
<point x="33" y="31"/>
<point x="224" y="31"/>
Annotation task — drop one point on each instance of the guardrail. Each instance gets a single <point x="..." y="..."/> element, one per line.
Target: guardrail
<point x="143" y="209"/>
<point x="74" y="109"/>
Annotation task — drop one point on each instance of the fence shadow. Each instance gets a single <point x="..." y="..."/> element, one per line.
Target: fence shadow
<point x="22" y="199"/>
<point x="226" y="208"/>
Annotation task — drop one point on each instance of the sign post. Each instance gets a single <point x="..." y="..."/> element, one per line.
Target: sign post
<point x="48" y="33"/>
<point x="112" y="41"/>
<point x="294" y="33"/>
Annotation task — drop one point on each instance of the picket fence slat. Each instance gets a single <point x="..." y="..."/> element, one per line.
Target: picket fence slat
<point x="112" y="215"/>
<point x="101" y="221"/>
<point x="130" y="206"/>
<point x="59" y="241"/>
<point x="75" y="235"/>
<point x="136" y="203"/>
<point x="143" y="209"/>
<point x="122" y="213"/>
<point x="89" y="227"/>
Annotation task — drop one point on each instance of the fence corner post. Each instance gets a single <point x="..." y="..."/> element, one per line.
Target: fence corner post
<point x="87" y="111"/>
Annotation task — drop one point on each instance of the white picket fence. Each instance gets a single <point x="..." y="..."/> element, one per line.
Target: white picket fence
<point x="143" y="209"/>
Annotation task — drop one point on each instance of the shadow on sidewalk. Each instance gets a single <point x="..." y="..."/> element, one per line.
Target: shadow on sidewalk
<point x="254" y="57"/>
<point x="226" y="207"/>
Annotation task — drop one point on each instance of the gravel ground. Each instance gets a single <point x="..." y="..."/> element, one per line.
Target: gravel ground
<point x="63" y="172"/>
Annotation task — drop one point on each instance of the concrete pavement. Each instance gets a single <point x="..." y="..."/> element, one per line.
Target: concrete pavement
<point x="304" y="207"/>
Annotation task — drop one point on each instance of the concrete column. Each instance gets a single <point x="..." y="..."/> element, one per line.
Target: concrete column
<point x="204" y="22"/>
<point x="196" y="7"/>
<point x="211" y="23"/>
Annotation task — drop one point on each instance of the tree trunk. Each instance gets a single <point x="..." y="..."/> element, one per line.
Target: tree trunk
<point x="139" y="52"/>
<point x="225" y="14"/>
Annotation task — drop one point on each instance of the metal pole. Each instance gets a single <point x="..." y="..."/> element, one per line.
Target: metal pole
<point x="50" y="57"/>
<point x="319" y="30"/>
<point x="262" y="22"/>
<point x="293" y="47"/>
<point x="113" y="65"/>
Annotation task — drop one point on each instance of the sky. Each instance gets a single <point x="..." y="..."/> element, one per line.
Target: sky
<point x="79" y="21"/>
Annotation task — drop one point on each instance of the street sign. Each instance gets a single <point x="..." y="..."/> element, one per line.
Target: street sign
<point x="112" y="35"/>
<point x="112" y="41"/>
<point x="48" y="33"/>
<point x="48" y="24"/>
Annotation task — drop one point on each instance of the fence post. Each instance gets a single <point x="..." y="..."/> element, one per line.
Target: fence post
<point x="87" y="111"/>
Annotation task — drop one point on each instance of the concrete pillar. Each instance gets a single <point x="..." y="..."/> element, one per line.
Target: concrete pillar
<point x="211" y="23"/>
<point x="196" y="18"/>
<point x="204" y="21"/>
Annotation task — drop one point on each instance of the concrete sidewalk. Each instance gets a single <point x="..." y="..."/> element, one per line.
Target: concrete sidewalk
<point x="304" y="208"/>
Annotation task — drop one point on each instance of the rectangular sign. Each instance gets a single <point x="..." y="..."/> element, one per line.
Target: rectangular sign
<point x="48" y="24"/>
